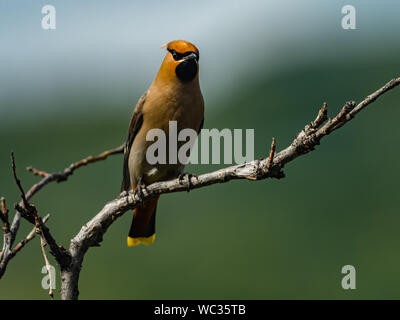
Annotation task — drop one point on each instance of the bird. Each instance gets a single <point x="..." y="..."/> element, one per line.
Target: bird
<point x="174" y="95"/>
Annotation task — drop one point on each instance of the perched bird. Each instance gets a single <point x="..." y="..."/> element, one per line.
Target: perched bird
<point x="174" y="95"/>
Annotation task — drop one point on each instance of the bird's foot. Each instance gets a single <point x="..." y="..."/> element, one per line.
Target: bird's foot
<point x="189" y="176"/>
<point x="141" y="191"/>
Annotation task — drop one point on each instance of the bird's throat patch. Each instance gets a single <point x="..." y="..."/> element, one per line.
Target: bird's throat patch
<point x="186" y="70"/>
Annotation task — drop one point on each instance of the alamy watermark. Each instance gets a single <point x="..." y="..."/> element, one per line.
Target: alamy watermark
<point x="49" y="18"/>
<point x="349" y="280"/>
<point x="174" y="147"/>
<point x="349" y="18"/>
<point x="49" y="280"/>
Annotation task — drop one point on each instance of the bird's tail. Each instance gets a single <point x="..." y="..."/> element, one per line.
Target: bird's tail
<point x="143" y="225"/>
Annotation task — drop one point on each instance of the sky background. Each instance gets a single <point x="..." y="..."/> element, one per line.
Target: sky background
<point x="266" y="65"/>
<point x="112" y="49"/>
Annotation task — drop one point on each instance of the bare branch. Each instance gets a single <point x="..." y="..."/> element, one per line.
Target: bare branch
<point x="18" y="182"/>
<point x="37" y="172"/>
<point x="321" y="117"/>
<point x="4" y="215"/>
<point x="7" y="253"/>
<point x="47" y="263"/>
<point x="29" y="213"/>
<point x="28" y="238"/>
<point x="271" y="155"/>
<point x="63" y="175"/>
<point x="60" y="254"/>
<point x="101" y="156"/>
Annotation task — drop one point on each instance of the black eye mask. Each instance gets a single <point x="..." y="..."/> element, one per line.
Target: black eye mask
<point x="179" y="56"/>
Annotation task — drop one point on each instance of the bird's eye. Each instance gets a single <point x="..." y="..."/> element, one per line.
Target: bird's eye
<point x="174" y="54"/>
<point x="179" y="56"/>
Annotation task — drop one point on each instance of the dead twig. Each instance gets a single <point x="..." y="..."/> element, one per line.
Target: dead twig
<point x="63" y="175"/>
<point x="48" y="267"/>
<point x="4" y="216"/>
<point x="271" y="154"/>
<point x="7" y="253"/>
<point x="37" y="172"/>
<point x="29" y="212"/>
<point x="28" y="238"/>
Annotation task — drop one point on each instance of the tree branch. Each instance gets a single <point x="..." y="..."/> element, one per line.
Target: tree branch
<point x="47" y="263"/>
<point x="28" y="238"/>
<point x="9" y="237"/>
<point x="63" y="175"/>
<point x="7" y="253"/>
<point x="29" y="212"/>
<point x="4" y="215"/>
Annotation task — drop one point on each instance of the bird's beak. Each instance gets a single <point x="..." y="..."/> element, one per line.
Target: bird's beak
<point x="192" y="56"/>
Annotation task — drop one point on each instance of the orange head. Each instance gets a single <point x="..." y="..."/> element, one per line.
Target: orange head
<point x="181" y="61"/>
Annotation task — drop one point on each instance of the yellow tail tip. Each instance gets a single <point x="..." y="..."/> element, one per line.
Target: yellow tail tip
<point x="131" y="242"/>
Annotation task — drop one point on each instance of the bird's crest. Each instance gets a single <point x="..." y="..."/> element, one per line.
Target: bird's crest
<point x="181" y="46"/>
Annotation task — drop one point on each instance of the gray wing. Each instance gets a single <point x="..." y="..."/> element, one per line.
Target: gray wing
<point x="134" y="127"/>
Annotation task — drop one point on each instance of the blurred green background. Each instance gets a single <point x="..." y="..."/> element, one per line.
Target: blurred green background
<point x="69" y="93"/>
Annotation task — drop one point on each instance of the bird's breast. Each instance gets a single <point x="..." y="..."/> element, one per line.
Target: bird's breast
<point x="186" y="107"/>
<point x="162" y="106"/>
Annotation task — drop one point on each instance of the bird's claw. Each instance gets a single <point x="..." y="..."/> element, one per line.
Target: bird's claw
<point x="140" y="191"/>
<point x="189" y="177"/>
